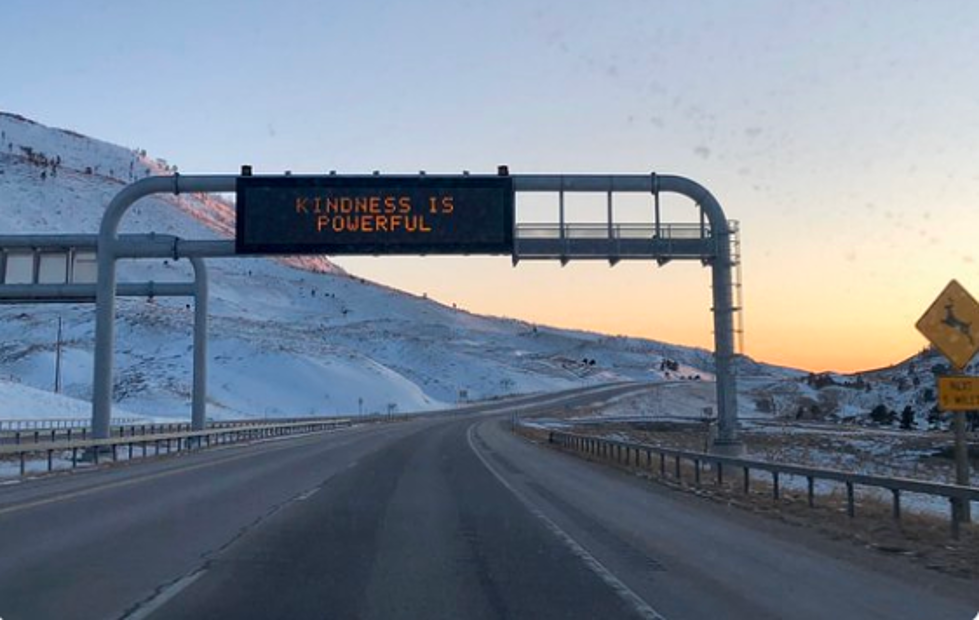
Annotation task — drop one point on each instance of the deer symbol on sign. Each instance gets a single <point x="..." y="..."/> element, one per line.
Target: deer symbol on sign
<point x="957" y="324"/>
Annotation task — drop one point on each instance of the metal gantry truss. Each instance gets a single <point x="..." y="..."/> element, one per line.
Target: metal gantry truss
<point x="70" y="281"/>
<point x="711" y="239"/>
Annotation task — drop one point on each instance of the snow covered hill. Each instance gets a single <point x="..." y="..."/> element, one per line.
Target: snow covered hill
<point x="287" y="336"/>
<point x="903" y="395"/>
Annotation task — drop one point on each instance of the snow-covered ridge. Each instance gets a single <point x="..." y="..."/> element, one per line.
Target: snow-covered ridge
<point x="54" y="152"/>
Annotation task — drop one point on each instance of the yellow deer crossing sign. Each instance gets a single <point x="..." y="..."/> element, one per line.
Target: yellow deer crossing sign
<point x="952" y="324"/>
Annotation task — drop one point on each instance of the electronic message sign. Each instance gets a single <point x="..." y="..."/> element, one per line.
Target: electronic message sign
<point x="374" y="215"/>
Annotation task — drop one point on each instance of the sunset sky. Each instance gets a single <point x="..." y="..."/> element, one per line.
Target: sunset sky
<point x="842" y="135"/>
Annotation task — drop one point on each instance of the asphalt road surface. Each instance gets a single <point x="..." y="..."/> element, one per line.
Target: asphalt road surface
<point x="448" y="517"/>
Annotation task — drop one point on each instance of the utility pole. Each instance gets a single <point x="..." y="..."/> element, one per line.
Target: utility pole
<point x="57" y="360"/>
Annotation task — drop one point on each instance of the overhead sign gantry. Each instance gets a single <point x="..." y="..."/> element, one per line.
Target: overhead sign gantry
<point x="421" y="214"/>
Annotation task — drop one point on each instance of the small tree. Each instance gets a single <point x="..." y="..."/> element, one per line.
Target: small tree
<point x="907" y="418"/>
<point x="881" y="415"/>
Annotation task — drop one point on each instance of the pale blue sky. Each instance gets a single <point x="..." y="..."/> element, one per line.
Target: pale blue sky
<point x="843" y="135"/>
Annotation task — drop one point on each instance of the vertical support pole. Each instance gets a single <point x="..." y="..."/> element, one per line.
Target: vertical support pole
<point x="562" y="235"/>
<point x="962" y="467"/>
<point x="656" y="218"/>
<point x="727" y="404"/>
<point x="955" y="518"/>
<point x="611" y="225"/>
<point x="199" y="397"/>
<point x="105" y="313"/>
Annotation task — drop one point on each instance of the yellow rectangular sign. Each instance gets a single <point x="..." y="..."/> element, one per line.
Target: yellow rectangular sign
<point x="958" y="393"/>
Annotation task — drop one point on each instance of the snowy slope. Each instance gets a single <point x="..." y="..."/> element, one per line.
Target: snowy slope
<point x="25" y="402"/>
<point x="287" y="337"/>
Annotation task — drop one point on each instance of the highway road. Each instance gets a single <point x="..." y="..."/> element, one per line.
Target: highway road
<point x="442" y="517"/>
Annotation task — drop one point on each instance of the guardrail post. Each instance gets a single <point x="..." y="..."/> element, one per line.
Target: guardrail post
<point x="811" y="491"/>
<point x="662" y="464"/>
<point x="23" y="465"/>
<point x="775" y="489"/>
<point x="850" y="508"/>
<point x="678" y="476"/>
<point x="720" y="473"/>
<point x="696" y="472"/>
<point x="747" y="480"/>
<point x="954" y="509"/>
<point x="896" y="513"/>
<point x="74" y="458"/>
<point x="50" y="459"/>
<point x="130" y="451"/>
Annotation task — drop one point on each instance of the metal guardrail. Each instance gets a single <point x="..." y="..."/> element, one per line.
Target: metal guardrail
<point x="35" y="433"/>
<point x="629" y="453"/>
<point x="47" y="424"/>
<point x="99" y="449"/>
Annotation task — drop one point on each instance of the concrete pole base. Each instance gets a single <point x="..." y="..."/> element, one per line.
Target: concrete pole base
<point x="727" y="448"/>
<point x="88" y="454"/>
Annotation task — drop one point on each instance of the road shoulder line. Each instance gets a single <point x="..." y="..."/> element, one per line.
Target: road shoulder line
<point x="635" y="601"/>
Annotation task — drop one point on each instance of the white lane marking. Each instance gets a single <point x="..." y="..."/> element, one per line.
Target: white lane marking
<point x="164" y="596"/>
<point x="626" y="593"/>
<point x="302" y="497"/>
